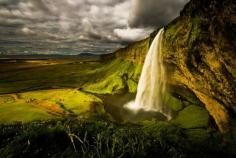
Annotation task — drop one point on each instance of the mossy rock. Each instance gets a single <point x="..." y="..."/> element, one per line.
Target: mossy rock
<point x="111" y="85"/>
<point x="132" y="86"/>
<point x="193" y="117"/>
<point x="174" y="103"/>
<point x="185" y="94"/>
<point x="186" y="103"/>
<point x="118" y="77"/>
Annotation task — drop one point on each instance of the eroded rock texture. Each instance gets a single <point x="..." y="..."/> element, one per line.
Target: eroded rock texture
<point x="199" y="50"/>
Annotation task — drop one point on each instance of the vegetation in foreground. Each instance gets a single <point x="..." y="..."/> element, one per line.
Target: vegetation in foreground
<point x="100" y="138"/>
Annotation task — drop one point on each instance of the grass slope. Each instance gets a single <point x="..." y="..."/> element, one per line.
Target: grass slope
<point x="97" y="77"/>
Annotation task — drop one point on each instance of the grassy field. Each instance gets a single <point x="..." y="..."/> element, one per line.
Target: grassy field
<point x="47" y="89"/>
<point x="47" y="104"/>
<point x="97" y="77"/>
<point x="26" y="76"/>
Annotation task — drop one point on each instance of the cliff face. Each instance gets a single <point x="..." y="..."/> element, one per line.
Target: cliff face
<point x="135" y="52"/>
<point x="199" y="50"/>
<point x="199" y="53"/>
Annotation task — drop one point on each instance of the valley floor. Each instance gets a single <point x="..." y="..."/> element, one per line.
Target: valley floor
<point x="43" y="89"/>
<point x="74" y="108"/>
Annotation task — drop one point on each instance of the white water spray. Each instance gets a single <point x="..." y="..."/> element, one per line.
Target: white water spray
<point x="152" y="83"/>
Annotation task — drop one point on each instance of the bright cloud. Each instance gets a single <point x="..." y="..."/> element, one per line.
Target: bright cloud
<point x="131" y="34"/>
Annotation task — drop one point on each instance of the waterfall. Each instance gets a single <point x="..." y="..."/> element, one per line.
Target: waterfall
<point x="152" y="83"/>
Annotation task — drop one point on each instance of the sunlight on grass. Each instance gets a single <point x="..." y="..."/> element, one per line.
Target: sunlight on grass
<point x="115" y="77"/>
<point x="46" y="104"/>
<point x="17" y="110"/>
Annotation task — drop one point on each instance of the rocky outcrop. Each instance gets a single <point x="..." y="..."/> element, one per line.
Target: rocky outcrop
<point x="199" y="51"/>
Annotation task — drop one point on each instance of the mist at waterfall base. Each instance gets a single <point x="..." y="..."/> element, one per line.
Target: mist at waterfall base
<point x="152" y="84"/>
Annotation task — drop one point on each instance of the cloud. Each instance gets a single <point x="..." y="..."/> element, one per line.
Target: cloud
<point x="154" y="12"/>
<point x="27" y="30"/>
<point x="80" y="25"/>
<point x="57" y="24"/>
<point x="131" y="34"/>
<point x="148" y="15"/>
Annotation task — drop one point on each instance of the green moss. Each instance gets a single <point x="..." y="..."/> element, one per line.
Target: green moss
<point x="137" y="72"/>
<point x="185" y="94"/>
<point x="119" y="76"/>
<point x="195" y="30"/>
<point x="174" y="103"/>
<point x="192" y="117"/>
<point x="186" y="103"/>
<point x="110" y="85"/>
<point x="183" y="33"/>
<point x="172" y="32"/>
<point x="132" y="86"/>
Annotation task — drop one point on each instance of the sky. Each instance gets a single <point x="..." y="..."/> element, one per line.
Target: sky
<point x="80" y="26"/>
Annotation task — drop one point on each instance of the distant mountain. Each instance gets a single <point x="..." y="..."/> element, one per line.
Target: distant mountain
<point x="47" y="56"/>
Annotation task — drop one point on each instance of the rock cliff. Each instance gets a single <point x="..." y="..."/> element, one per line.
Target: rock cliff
<point x="135" y="52"/>
<point x="199" y="51"/>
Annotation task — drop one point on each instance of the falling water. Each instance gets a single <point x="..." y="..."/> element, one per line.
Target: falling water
<point x="152" y="83"/>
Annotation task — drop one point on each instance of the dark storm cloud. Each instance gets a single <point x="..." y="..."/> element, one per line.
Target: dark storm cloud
<point x="154" y="12"/>
<point x="147" y="15"/>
